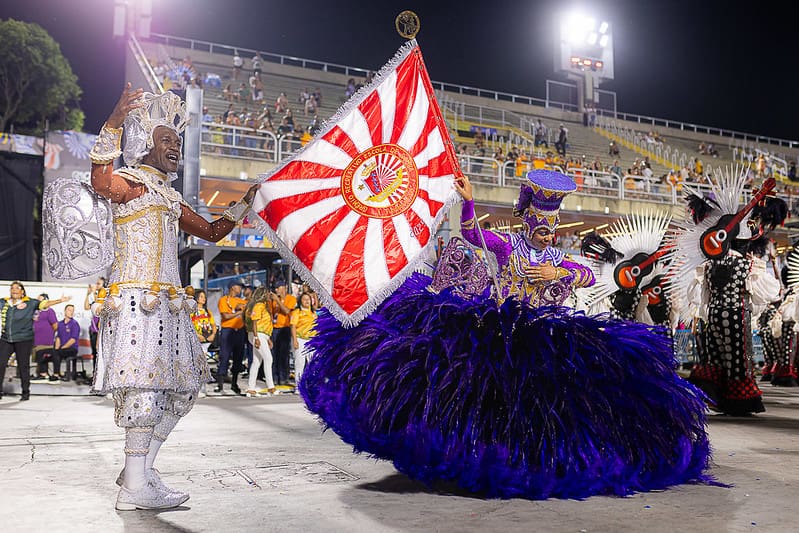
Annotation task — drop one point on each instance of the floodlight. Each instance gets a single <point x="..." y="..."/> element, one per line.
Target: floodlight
<point x="603" y="28"/>
<point x="603" y="41"/>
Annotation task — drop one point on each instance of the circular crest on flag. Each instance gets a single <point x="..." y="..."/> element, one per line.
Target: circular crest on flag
<point x="381" y="182"/>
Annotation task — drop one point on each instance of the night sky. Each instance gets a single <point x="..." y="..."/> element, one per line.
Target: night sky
<point x="706" y="62"/>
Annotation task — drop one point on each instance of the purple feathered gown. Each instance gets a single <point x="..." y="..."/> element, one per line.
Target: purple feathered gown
<point x="522" y="398"/>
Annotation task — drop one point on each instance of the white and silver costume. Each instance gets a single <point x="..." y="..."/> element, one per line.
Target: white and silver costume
<point x="146" y="338"/>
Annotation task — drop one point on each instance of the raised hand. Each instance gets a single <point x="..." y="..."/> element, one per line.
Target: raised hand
<point x="464" y="187"/>
<point x="128" y="101"/>
<point x="248" y="198"/>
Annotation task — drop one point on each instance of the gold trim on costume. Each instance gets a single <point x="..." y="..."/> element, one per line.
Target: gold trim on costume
<point x="139" y="214"/>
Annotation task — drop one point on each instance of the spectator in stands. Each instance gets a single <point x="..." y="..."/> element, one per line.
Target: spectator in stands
<point x="304" y="95"/>
<point x="792" y="171"/>
<point x="233" y="136"/>
<point x="66" y="344"/>
<point x="711" y="150"/>
<point x="266" y="115"/>
<point x="317" y="95"/>
<point x="45" y="323"/>
<point x="281" y="304"/>
<point x="314" y="125"/>
<point x="350" y="90"/>
<point x="17" y="332"/>
<point x="616" y="169"/>
<point x="613" y="149"/>
<point x="243" y="93"/>
<point x="370" y="76"/>
<point x="289" y="116"/>
<point x="227" y="93"/>
<point x="237" y="63"/>
<point x="563" y="140"/>
<point x="256" y="65"/>
<point x="699" y="168"/>
<point x="251" y="141"/>
<point x="281" y="103"/>
<point x="541" y="134"/>
<point x="217" y="134"/>
<point x="305" y="137"/>
<point x="256" y="90"/>
<point x="310" y="106"/>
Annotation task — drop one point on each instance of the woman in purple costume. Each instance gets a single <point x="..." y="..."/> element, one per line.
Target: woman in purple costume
<point x="506" y="392"/>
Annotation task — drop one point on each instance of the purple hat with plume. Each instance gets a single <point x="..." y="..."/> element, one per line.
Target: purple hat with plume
<point x="540" y="197"/>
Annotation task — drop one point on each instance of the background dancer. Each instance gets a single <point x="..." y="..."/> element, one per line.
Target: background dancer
<point x="731" y="283"/>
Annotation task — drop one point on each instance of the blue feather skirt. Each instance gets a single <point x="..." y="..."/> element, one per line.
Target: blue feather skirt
<point x="508" y="401"/>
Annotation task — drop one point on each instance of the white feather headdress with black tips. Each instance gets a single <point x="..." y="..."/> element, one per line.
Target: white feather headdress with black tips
<point x="633" y="237"/>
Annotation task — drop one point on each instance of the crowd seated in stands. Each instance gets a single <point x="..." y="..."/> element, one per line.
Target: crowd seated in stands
<point x="708" y="149"/>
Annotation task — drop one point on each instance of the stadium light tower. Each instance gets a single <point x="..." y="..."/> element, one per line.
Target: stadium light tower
<point x="584" y="52"/>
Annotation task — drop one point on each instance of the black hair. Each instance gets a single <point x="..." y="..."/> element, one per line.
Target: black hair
<point x="21" y="286"/>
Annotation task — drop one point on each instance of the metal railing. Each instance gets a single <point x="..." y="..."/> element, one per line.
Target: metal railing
<point x="246" y="143"/>
<point x="144" y="65"/>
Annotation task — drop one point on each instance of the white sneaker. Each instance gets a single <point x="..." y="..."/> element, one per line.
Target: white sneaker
<point x="153" y="476"/>
<point x="147" y="497"/>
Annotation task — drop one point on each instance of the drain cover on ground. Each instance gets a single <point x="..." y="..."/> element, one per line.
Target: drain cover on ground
<point x="273" y="476"/>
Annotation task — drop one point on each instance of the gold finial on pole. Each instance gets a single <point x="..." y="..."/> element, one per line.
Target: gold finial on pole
<point x="407" y="24"/>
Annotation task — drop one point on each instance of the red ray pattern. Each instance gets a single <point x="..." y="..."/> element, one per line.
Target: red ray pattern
<point x="349" y="284"/>
<point x="372" y="112"/>
<point x="406" y="94"/>
<point x="421" y="142"/>
<point x="304" y="170"/>
<point x="433" y="205"/>
<point x="395" y="256"/>
<point x="415" y="221"/>
<point x="338" y="137"/>
<point x="280" y="208"/>
<point x="308" y="245"/>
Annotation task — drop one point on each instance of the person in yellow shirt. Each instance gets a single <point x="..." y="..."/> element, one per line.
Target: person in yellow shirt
<point x="280" y="306"/>
<point x="260" y="335"/>
<point x="303" y="320"/>
<point x="232" y="337"/>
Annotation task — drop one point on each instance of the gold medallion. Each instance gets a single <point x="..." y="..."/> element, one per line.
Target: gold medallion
<point x="407" y="24"/>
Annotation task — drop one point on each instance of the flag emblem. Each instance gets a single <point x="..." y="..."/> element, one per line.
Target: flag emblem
<point x="381" y="182"/>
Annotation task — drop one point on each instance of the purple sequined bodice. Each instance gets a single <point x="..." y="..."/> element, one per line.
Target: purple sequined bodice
<point x="514" y="254"/>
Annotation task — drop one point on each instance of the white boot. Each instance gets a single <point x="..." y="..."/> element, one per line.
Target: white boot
<point x="148" y="496"/>
<point x="154" y="476"/>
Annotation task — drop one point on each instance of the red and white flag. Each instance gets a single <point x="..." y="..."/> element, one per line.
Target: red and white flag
<point x="355" y="211"/>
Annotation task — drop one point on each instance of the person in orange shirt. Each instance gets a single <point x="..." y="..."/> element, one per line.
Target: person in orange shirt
<point x="280" y="306"/>
<point x="232" y="337"/>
